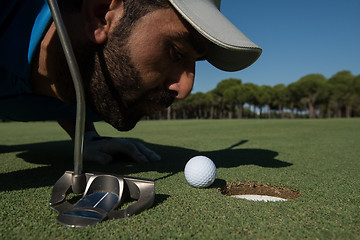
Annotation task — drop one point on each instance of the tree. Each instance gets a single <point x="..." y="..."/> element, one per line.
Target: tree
<point x="237" y="95"/>
<point x="264" y="97"/>
<point x="343" y="92"/>
<point x="219" y="91"/>
<point x="251" y="92"/>
<point x="199" y="102"/>
<point x="210" y="103"/>
<point x="313" y="94"/>
<point x="294" y="97"/>
<point x="356" y="105"/>
<point x="311" y="88"/>
<point x="229" y="96"/>
<point x="280" y="98"/>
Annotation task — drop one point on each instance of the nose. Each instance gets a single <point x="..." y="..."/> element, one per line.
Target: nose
<point x="183" y="82"/>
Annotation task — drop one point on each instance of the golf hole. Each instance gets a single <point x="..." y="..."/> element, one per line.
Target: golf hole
<point x="259" y="192"/>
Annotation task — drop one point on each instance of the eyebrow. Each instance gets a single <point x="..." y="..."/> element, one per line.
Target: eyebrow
<point x="187" y="37"/>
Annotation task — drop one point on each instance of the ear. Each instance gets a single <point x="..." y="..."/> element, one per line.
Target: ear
<point x="99" y="16"/>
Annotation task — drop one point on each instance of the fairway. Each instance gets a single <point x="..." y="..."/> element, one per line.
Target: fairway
<point x="318" y="158"/>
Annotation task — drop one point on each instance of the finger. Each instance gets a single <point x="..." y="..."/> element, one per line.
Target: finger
<point x="151" y="155"/>
<point x="129" y="148"/>
<point x="98" y="157"/>
<point x="134" y="150"/>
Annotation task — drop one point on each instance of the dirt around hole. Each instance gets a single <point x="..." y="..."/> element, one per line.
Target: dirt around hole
<point x="254" y="188"/>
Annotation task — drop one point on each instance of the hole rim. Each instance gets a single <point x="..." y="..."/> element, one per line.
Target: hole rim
<point x="257" y="188"/>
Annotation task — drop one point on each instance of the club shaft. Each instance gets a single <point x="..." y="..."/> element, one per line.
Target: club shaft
<point x="79" y="90"/>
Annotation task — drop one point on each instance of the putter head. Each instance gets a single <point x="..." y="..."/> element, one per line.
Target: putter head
<point x="102" y="196"/>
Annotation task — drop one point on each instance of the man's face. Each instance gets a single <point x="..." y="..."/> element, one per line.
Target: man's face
<point x="153" y="64"/>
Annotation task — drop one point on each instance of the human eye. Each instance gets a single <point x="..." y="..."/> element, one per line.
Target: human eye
<point x="175" y="53"/>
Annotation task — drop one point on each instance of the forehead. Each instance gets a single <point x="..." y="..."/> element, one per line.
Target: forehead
<point x="167" y="23"/>
<point x="163" y="20"/>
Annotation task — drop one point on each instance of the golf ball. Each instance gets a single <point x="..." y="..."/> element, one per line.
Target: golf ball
<point x="200" y="171"/>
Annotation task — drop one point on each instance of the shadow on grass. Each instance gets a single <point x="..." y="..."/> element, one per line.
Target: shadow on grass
<point x="54" y="158"/>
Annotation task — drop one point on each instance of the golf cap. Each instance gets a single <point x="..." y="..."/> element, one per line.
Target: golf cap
<point x="230" y="50"/>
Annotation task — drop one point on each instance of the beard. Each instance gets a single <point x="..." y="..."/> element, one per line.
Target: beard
<point x="114" y="88"/>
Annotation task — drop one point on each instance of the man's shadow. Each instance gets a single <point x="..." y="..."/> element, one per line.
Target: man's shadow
<point x="54" y="158"/>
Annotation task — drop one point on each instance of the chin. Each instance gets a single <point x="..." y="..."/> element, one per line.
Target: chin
<point x="125" y="123"/>
<point x="123" y="127"/>
<point x="129" y="122"/>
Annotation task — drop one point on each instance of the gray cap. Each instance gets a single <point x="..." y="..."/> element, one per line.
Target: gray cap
<point x="230" y="49"/>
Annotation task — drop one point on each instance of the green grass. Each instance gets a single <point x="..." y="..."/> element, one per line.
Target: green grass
<point x="319" y="158"/>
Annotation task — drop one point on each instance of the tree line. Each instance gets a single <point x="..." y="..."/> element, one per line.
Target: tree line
<point x="312" y="96"/>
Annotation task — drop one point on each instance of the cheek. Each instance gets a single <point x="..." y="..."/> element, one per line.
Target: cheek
<point x="151" y="64"/>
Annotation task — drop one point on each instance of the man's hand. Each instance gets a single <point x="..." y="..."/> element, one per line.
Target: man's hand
<point x="102" y="149"/>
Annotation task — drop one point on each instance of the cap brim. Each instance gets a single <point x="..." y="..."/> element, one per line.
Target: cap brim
<point x="230" y="49"/>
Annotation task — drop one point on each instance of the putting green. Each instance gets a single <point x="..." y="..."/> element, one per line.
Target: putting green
<point x="318" y="158"/>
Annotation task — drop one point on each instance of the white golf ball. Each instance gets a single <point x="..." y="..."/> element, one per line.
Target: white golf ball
<point x="200" y="171"/>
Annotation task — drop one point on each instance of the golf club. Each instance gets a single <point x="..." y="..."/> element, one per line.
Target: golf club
<point x="102" y="193"/>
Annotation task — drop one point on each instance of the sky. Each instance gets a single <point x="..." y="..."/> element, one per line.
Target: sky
<point x="297" y="37"/>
